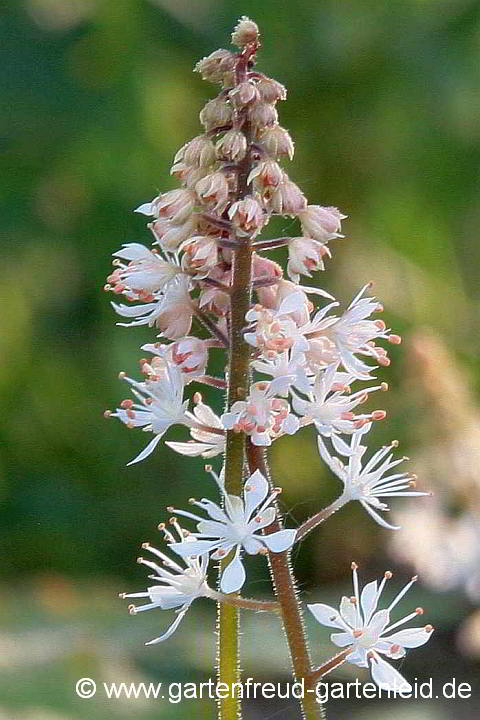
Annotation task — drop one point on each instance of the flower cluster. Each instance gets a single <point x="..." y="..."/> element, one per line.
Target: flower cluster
<point x="304" y="353"/>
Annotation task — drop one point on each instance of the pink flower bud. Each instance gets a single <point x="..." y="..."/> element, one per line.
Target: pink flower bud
<point x="266" y="174"/>
<point x="263" y="267"/>
<point x="248" y="216"/>
<point x="199" y="152"/>
<point x="175" y="205"/>
<point x="270" y="90"/>
<point x="216" y="113"/>
<point x="277" y="141"/>
<point x="190" y="354"/>
<point x="286" y="198"/>
<point x="321" y="223"/>
<point x="213" y="190"/>
<point x="201" y="255"/>
<point x="215" y="66"/>
<point x="169" y="236"/>
<point x="262" y="115"/>
<point x="245" y="32"/>
<point x="233" y="146"/>
<point x="304" y="256"/>
<point x="243" y="94"/>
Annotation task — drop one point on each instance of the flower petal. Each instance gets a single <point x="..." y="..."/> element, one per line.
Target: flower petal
<point x="386" y="677"/>
<point x="233" y="576"/>
<point x="171" y="629"/>
<point x="280" y="541"/>
<point x="326" y="615"/>
<point x="146" y="451"/>
<point x="410" y="638"/>
<point x="256" y="494"/>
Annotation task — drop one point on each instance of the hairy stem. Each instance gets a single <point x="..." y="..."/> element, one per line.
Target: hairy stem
<point x="245" y="603"/>
<point x="330" y="665"/>
<point x="238" y="379"/>
<point x="238" y="382"/>
<point x="320" y="517"/>
<point x="291" y="609"/>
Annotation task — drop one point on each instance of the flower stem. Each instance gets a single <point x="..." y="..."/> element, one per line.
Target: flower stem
<point x="238" y="382"/>
<point x="245" y="603"/>
<point x="320" y="517"/>
<point x="330" y="665"/>
<point x="291" y="609"/>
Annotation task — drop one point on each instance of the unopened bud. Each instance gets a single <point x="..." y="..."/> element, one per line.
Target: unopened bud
<point x="216" y="113"/>
<point x="245" y="32"/>
<point x="270" y="90"/>
<point x="215" y="66"/>
<point x="243" y="94"/>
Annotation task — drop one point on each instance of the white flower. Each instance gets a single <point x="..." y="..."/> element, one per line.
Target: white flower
<point x="262" y="415"/>
<point x="160" y="405"/>
<point x="354" y="334"/>
<point x="330" y="405"/>
<point x="172" y="312"/>
<point x="238" y="527"/>
<point x="366" y="630"/>
<point x="146" y="273"/>
<point x="370" y="482"/>
<point x="288" y="366"/>
<point x="208" y="437"/>
<point x="177" y="586"/>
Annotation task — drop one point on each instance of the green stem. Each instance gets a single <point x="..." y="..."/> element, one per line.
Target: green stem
<point x="291" y="609"/>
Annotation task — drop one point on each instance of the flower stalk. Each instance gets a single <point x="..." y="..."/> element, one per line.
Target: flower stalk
<point x="208" y="270"/>
<point x="291" y="609"/>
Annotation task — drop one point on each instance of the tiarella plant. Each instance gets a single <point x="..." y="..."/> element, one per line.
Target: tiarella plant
<point x="291" y="358"/>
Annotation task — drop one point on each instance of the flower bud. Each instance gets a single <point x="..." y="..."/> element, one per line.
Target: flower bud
<point x="266" y="174"/>
<point x="262" y="115"/>
<point x="169" y="236"/>
<point x="270" y="90"/>
<point x="214" y="299"/>
<point x="215" y="66"/>
<point x="216" y="113"/>
<point x="190" y="355"/>
<point x="248" y="216"/>
<point x="245" y="32"/>
<point x="263" y="267"/>
<point x="321" y="223"/>
<point x="243" y="94"/>
<point x="201" y="255"/>
<point x="286" y="198"/>
<point x="233" y="146"/>
<point x="304" y="256"/>
<point x="213" y="189"/>
<point x="175" y="205"/>
<point x="277" y="141"/>
<point x="199" y="152"/>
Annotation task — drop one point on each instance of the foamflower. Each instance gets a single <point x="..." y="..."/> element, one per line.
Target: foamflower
<point x="368" y="631"/>
<point x="238" y="528"/>
<point x="160" y="405"/>
<point x="371" y="480"/>
<point x="177" y="584"/>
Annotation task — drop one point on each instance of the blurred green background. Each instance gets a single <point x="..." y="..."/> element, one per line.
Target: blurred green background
<point x="97" y="95"/>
